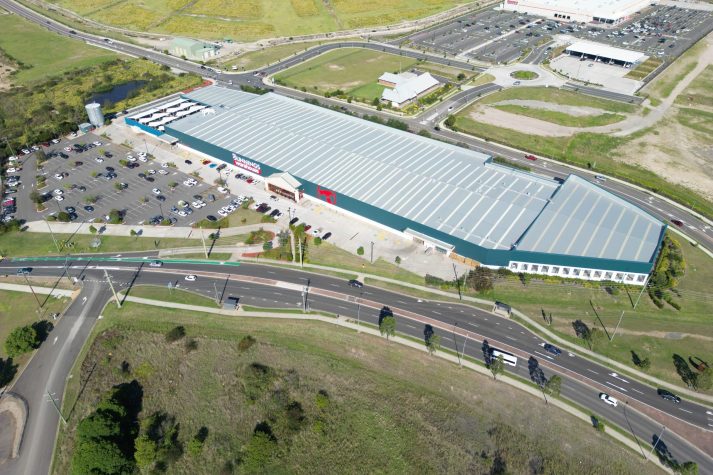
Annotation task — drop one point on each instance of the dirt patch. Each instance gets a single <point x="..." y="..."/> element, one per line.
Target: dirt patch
<point x="13" y="415"/>
<point x="529" y="125"/>
<point x="6" y="71"/>
<point x="335" y="67"/>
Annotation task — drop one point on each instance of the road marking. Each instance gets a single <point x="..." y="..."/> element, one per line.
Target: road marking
<point x="546" y="356"/>
<point x="637" y="391"/>
<point x="685" y="410"/>
<point x="497" y="323"/>
<point x="615" y="375"/>
<point x="84" y="300"/>
<point x="615" y="386"/>
<point x="55" y="340"/>
<point x="510" y="338"/>
<point x="592" y="371"/>
<point x="437" y="313"/>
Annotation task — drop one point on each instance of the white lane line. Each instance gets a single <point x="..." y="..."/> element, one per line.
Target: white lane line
<point x="546" y="356"/>
<point x="55" y="340"/>
<point x="685" y="410"/>
<point x="637" y="391"/>
<point x="615" y="386"/>
<point x="437" y="313"/>
<point x="398" y="301"/>
<point x="497" y="323"/>
<point x="592" y="371"/>
<point x="510" y="338"/>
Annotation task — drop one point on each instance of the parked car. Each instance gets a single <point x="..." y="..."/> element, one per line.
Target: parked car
<point x="294" y="220"/>
<point x="156" y="191"/>
<point x="326" y="236"/>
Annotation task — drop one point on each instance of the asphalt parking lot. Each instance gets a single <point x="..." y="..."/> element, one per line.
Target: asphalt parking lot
<point x="661" y="31"/>
<point x="84" y="178"/>
<point x="470" y="31"/>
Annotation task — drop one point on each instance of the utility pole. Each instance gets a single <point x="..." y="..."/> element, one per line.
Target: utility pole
<point x="621" y="317"/>
<point x="52" y="234"/>
<point x="116" y="297"/>
<point x="56" y="406"/>
<point x="453" y="332"/>
<point x="642" y="291"/>
<point x="39" y="305"/>
<point x="371" y="260"/>
<point x="663" y="429"/>
<point x="205" y="249"/>
<point x="455" y="272"/>
<point x="626" y="404"/>
<point x="301" y="262"/>
<point x="464" y="343"/>
<point x="359" y="312"/>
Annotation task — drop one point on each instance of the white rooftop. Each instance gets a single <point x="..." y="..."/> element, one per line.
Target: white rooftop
<point x="596" y="8"/>
<point x="410" y="88"/>
<point x="606" y="51"/>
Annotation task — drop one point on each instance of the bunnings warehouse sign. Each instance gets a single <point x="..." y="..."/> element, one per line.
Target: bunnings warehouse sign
<point x="246" y="164"/>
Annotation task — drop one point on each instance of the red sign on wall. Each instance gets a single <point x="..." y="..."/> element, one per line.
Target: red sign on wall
<point x="327" y="195"/>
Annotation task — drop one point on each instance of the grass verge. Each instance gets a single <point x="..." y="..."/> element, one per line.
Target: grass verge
<point x="165" y="294"/>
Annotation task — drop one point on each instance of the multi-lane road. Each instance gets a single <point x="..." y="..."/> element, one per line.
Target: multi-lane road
<point x="462" y="329"/>
<point x="696" y="228"/>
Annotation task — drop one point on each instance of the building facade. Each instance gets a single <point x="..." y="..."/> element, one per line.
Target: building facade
<point x="607" y="12"/>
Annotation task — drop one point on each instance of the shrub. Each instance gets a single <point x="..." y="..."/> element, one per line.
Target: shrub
<point x="317" y="241"/>
<point x="191" y="344"/>
<point x="360" y="250"/>
<point x="321" y="400"/>
<point x="246" y="343"/>
<point x="175" y="334"/>
<point x="92" y="229"/>
<point x="63" y="217"/>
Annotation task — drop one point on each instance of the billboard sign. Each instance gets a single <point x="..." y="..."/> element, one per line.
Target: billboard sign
<point x="245" y="164"/>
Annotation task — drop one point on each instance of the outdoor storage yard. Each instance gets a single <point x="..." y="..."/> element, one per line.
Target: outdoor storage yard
<point x="253" y="19"/>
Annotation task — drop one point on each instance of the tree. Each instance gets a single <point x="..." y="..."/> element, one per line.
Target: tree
<point x="175" y="334"/>
<point x="21" y="340"/>
<point x="687" y="468"/>
<point x="36" y="197"/>
<point x="99" y="456"/>
<point x="92" y="229"/>
<point x="63" y="216"/>
<point x="360" y="251"/>
<point x="480" y="279"/>
<point x="461" y="76"/>
<point x="387" y="326"/>
<point x="397" y="260"/>
<point x="317" y="241"/>
<point x="705" y="379"/>
<point x="431" y="340"/>
<point x="115" y="217"/>
<point x="553" y="386"/>
<point x="497" y="366"/>
<point x="598" y="423"/>
<point x="118" y="186"/>
<point x="258" y="452"/>
<point x="450" y="121"/>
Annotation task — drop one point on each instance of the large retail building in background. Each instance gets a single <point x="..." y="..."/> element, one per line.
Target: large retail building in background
<point x="441" y="196"/>
<point x="587" y="11"/>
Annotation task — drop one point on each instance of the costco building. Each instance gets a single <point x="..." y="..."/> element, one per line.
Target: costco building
<point x="449" y="198"/>
<point x="582" y="11"/>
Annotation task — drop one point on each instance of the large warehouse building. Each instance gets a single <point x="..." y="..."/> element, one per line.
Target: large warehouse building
<point x="449" y="198"/>
<point x="587" y="11"/>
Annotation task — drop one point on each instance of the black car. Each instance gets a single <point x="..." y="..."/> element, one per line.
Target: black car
<point x="89" y="208"/>
<point x="150" y="179"/>
<point x="198" y="197"/>
<point x="294" y="220"/>
<point x="109" y="169"/>
<point x="668" y="395"/>
<point x="70" y="209"/>
<point x="161" y="198"/>
<point x="188" y="162"/>
<point x="73" y="216"/>
<point x="221" y="167"/>
<point x="275" y="213"/>
<point x="24" y="270"/>
<point x="63" y="155"/>
<point x="142" y="175"/>
<point x="78" y="164"/>
<point x="355" y="283"/>
<point x="108" y="154"/>
<point x="210" y="217"/>
<point x="326" y="236"/>
<point x="82" y="188"/>
<point x="552" y="349"/>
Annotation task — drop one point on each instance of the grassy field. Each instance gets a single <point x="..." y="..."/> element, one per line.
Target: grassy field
<point x="253" y="19"/>
<point x="644" y="69"/>
<point x="479" y="80"/>
<point x="171" y="295"/>
<point x="329" y="255"/>
<point x="217" y="256"/>
<point x="43" y="53"/>
<point x="18" y="309"/>
<point x="699" y="92"/>
<point x="558" y="96"/>
<point x="585" y="150"/>
<point x="348" y="69"/>
<point x="661" y="87"/>
<point x="411" y="414"/>
<point x="16" y="244"/>
<point x="561" y="118"/>
<point x="264" y="57"/>
<point x="525" y="75"/>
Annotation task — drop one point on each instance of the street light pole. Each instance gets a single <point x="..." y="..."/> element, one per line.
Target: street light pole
<point x="359" y="312"/>
<point x="617" y="325"/>
<point x="626" y="404"/>
<point x="116" y="297"/>
<point x="56" y="406"/>
<point x="371" y="260"/>
<point x="642" y="291"/>
<point x="33" y="291"/>
<point x="52" y="234"/>
<point x="455" y="342"/>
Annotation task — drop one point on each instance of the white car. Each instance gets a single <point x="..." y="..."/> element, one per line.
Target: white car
<point x="190" y="278"/>
<point x="98" y="159"/>
<point x="197" y="204"/>
<point x="230" y="208"/>
<point x="12" y="158"/>
<point x="608" y="399"/>
<point x="188" y="183"/>
<point x="143" y="154"/>
<point x="151" y="171"/>
<point x="164" y="165"/>
<point x="58" y="176"/>
<point x="223" y="190"/>
<point x="131" y="158"/>
<point x="58" y="192"/>
<point x="35" y="148"/>
<point x="98" y="144"/>
<point x="156" y="191"/>
<point x="222" y="213"/>
<point x="13" y="170"/>
<point x="67" y="149"/>
<point x="182" y="213"/>
<point x="25" y="151"/>
<point x="59" y="197"/>
<point x="55" y="141"/>
<point x="143" y="159"/>
<point x="162" y="172"/>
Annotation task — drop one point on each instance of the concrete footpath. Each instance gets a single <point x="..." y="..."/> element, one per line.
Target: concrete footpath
<point x="348" y="323"/>
<point x="38" y="290"/>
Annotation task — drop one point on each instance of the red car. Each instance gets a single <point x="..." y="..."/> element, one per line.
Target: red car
<point x="677" y="222"/>
<point x="249" y="180"/>
<point x="531" y="157"/>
